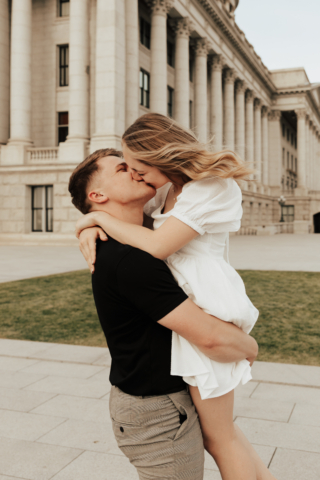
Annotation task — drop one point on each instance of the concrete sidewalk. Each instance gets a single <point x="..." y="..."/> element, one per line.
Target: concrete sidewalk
<point x="55" y="424"/>
<point x="277" y="252"/>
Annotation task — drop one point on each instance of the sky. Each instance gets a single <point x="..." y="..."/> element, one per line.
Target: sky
<point x="284" y="33"/>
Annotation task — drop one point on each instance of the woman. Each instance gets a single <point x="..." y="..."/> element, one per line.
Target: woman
<point x="197" y="204"/>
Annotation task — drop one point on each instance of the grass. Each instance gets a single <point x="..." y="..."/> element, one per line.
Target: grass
<point x="60" y="309"/>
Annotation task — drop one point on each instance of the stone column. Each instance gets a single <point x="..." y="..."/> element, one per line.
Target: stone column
<point x="308" y="178"/>
<point x="228" y="113"/>
<point x="200" y="88"/>
<point x="110" y="75"/>
<point x="301" y="117"/>
<point x="182" y="28"/>
<point x="275" y="151"/>
<point x="265" y="146"/>
<point x="257" y="139"/>
<point x="4" y="71"/>
<point x="217" y="63"/>
<point x="158" y="71"/>
<point x="240" y="118"/>
<point x="249" y="129"/>
<point x="132" y="61"/>
<point x="20" y="88"/>
<point x="75" y="148"/>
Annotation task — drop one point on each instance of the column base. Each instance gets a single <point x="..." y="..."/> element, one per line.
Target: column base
<point x="14" y="154"/>
<point x="73" y="151"/>
<point x="104" y="141"/>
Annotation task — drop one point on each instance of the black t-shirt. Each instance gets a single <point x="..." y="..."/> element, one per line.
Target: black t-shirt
<point x="132" y="292"/>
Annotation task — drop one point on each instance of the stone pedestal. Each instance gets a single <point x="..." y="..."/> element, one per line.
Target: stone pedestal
<point x="301" y="226"/>
<point x="12" y="154"/>
<point x="73" y="151"/>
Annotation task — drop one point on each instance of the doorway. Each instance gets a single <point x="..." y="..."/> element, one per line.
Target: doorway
<point x="316" y="222"/>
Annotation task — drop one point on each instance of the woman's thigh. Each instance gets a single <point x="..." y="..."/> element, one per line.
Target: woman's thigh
<point x="215" y="415"/>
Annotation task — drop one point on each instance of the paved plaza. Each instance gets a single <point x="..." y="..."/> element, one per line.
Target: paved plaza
<point x="55" y="424"/>
<point x="275" y="252"/>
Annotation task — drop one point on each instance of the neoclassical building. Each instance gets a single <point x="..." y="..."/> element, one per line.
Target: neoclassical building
<point x="74" y="74"/>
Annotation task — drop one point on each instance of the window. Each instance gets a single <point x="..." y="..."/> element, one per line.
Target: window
<point x="145" y="29"/>
<point x="291" y="162"/>
<point x="63" y="128"/>
<point x="295" y="142"/>
<point x="170" y="54"/>
<point x="283" y="130"/>
<point x="63" y="8"/>
<point x="170" y="101"/>
<point x="42" y="208"/>
<point x="64" y="65"/>
<point x="190" y="70"/>
<point x="295" y="165"/>
<point x="288" y="160"/>
<point x="190" y="114"/>
<point x="144" y="88"/>
<point x="283" y="156"/>
<point x="288" y="135"/>
<point x="287" y="213"/>
<point x="291" y="138"/>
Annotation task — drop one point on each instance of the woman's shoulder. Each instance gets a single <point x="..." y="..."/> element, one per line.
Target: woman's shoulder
<point x="210" y="187"/>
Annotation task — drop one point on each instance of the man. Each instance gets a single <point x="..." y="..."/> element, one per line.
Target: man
<point x="139" y="304"/>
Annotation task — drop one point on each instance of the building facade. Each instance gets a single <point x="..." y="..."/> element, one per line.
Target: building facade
<point x="74" y="74"/>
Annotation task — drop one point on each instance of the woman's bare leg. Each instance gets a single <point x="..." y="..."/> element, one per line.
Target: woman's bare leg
<point x="234" y="455"/>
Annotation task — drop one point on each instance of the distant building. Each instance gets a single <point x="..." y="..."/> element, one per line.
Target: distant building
<point x="75" y="74"/>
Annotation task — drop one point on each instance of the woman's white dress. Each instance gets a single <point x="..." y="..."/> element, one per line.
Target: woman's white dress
<point x="212" y="207"/>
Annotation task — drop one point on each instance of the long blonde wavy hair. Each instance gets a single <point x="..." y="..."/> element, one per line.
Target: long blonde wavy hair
<point x="158" y="141"/>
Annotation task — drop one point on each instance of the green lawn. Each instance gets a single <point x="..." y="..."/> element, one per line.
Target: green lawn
<point x="60" y="309"/>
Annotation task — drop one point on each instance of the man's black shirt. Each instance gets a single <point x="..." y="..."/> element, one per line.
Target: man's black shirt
<point x="132" y="292"/>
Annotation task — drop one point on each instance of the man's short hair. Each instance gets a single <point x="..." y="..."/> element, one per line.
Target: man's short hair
<point x="82" y="175"/>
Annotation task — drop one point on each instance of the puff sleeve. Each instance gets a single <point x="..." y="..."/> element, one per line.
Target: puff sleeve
<point x="210" y="205"/>
<point x="158" y="200"/>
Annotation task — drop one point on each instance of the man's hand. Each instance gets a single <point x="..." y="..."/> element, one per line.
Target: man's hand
<point x="87" y="244"/>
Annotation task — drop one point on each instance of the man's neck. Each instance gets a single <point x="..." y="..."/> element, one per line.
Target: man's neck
<point x="129" y="213"/>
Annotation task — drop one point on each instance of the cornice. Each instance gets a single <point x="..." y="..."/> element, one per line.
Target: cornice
<point x="239" y="41"/>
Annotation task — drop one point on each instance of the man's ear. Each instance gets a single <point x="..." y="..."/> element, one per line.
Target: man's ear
<point x="97" y="197"/>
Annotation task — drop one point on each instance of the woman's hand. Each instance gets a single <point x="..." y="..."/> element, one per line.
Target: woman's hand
<point x="87" y="244"/>
<point x="87" y="221"/>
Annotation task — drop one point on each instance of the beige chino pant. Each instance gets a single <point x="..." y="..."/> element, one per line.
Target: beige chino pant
<point x="160" y="435"/>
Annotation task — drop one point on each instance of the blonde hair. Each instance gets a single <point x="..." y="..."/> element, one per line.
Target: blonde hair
<point x="158" y="141"/>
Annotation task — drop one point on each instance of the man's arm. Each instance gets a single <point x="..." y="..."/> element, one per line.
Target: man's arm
<point x="221" y="341"/>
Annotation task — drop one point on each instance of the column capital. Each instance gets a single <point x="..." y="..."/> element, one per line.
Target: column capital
<point x="216" y="62"/>
<point x="182" y="27"/>
<point x="275" y="115"/>
<point x="249" y="96"/>
<point x="257" y="104"/>
<point x="160" y="7"/>
<point x="230" y="75"/>
<point x="301" y="113"/>
<point x="265" y="111"/>
<point x="241" y="86"/>
<point x="201" y="47"/>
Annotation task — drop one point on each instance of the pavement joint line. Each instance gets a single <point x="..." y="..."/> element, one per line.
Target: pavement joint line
<point x="255" y="388"/>
<point x="294" y="406"/>
<point x="268" y="420"/>
<point x="272" y="457"/>
<point x="81" y="453"/>
<point x="287" y="384"/>
<point x="32" y="383"/>
<point x="57" y="361"/>
<point x="53" y="428"/>
<point x="54" y="396"/>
